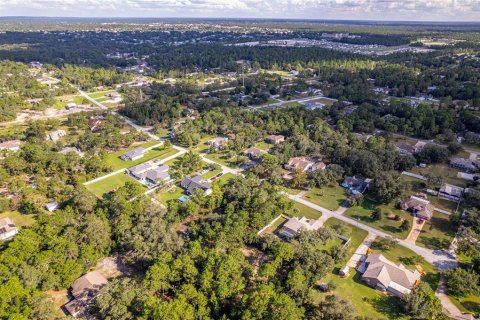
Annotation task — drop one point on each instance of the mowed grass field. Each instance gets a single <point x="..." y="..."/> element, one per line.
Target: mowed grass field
<point x="61" y="102"/>
<point x="301" y="210"/>
<point x="387" y="223"/>
<point x="437" y="233"/>
<point x="21" y="220"/>
<point x="172" y="194"/>
<point x="113" y="159"/>
<point x="330" y="197"/>
<point x="104" y="186"/>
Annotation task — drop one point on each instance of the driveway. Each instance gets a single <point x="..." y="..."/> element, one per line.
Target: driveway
<point x="361" y="250"/>
<point x="415" y="231"/>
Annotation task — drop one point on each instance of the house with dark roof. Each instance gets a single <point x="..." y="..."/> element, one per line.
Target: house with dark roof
<point x="196" y="182"/>
<point x="157" y="175"/>
<point x="384" y="275"/>
<point x="450" y="192"/>
<point x="304" y="164"/>
<point x="84" y="290"/>
<point x="275" y="139"/>
<point x="133" y="154"/>
<point x="356" y="184"/>
<point x="418" y="207"/>
<point x="465" y="165"/>
<point x="254" y="153"/>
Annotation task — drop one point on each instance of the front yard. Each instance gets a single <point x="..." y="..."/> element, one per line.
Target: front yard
<point x="104" y="186"/>
<point x="301" y="210"/>
<point x="330" y="197"/>
<point x="387" y="224"/>
<point x="437" y="233"/>
<point x="113" y="159"/>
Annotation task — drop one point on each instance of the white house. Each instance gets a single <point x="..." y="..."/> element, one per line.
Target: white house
<point x="7" y="229"/>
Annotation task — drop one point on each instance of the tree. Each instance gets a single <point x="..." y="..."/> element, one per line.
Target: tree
<point x="377" y="214"/>
<point x="119" y="299"/>
<point x="386" y="186"/>
<point x="333" y="308"/>
<point x="461" y="282"/>
<point x="422" y="303"/>
<point x="299" y="179"/>
<point x="405" y="225"/>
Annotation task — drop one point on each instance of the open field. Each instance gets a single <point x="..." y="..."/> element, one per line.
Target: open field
<point x="447" y="174"/>
<point x="222" y="159"/>
<point x="100" y="96"/>
<point x="263" y="145"/>
<point x="20" y="219"/>
<point x="61" y="102"/>
<point x="104" y="186"/>
<point x="437" y="233"/>
<point x="327" y="102"/>
<point x="301" y="210"/>
<point x="211" y="173"/>
<point x="356" y="235"/>
<point x="330" y="197"/>
<point x="386" y="224"/>
<point x="114" y="160"/>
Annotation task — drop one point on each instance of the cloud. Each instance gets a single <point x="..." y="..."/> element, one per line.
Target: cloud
<point x="345" y="9"/>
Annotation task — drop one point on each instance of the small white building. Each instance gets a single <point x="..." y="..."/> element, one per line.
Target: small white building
<point x="7" y="229"/>
<point x="51" y="206"/>
<point x="56" y="135"/>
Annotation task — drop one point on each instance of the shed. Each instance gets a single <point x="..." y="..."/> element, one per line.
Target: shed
<point x="344" y="271"/>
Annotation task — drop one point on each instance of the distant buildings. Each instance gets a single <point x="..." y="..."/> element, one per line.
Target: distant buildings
<point x="84" y="290"/>
<point x="150" y="173"/>
<point x="67" y="150"/>
<point x="218" y="143"/>
<point x="95" y="122"/>
<point x="196" y="182"/>
<point x="450" y="192"/>
<point x="12" y="145"/>
<point x="294" y="225"/>
<point x="7" y="229"/>
<point x="419" y="207"/>
<point x="356" y="184"/>
<point x="254" y="153"/>
<point x="465" y="165"/>
<point x="275" y="139"/>
<point x="313" y="106"/>
<point x="406" y="149"/>
<point x="133" y="154"/>
<point x="304" y="164"/>
<point x="56" y="135"/>
<point x="384" y="275"/>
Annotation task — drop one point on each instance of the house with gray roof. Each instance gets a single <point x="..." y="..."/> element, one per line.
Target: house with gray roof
<point x="7" y="228"/>
<point x="157" y="175"/>
<point x="133" y="154"/>
<point x="384" y="275"/>
<point x="450" y="192"/>
<point x="356" y="184"/>
<point x="196" y="182"/>
<point x="465" y="165"/>
<point x="67" y="150"/>
<point x="84" y="290"/>
<point x="294" y="225"/>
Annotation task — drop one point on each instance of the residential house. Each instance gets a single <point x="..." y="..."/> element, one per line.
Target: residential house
<point x="56" y="135"/>
<point x="294" y="225"/>
<point x="133" y="154"/>
<point x="52" y="206"/>
<point x="7" y="229"/>
<point x="406" y="149"/>
<point x="419" y="207"/>
<point x="218" y="143"/>
<point x="299" y="163"/>
<point x="254" y="153"/>
<point x="95" y="122"/>
<point x="384" y="275"/>
<point x="356" y="184"/>
<point x="84" y="290"/>
<point x="275" y="139"/>
<point x="196" y="182"/>
<point x="67" y="150"/>
<point x="139" y="171"/>
<point x="158" y="175"/>
<point x="466" y="165"/>
<point x="450" y="192"/>
<point x="12" y="145"/>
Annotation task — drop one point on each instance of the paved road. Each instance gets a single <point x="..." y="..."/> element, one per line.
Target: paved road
<point x="442" y="260"/>
<point x="224" y="168"/>
<point x="86" y="96"/>
<point x="449" y="308"/>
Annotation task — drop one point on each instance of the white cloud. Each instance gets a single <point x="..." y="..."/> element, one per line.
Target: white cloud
<point x="331" y="9"/>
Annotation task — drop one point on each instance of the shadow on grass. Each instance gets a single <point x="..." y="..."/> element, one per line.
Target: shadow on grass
<point x="434" y="243"/>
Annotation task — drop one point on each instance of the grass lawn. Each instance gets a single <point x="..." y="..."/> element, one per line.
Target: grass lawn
<point x="100" y="95"/>
<point x="386" y="224"/>
<point x="263" y="145"/>
<point x="225" y="178"/>
<point x="447" y="174"/>
<point x="114" y="160"/>
<point x="166" y="195"/>
<point x="202" y="145"/>
<point x="301" y="210"/>
<point x="61" y="102"/>
<point x="330" y="197"/>
<point x="106" y="185"/>
<point x="442" y="203"/>
<point x="437" y="233"/>
<point x="324" y="101"/>
<point x="467" y="304"/>
<point x="20" y="219"/>
<point x="211" y="173"/>
<point x="222" y="159"/>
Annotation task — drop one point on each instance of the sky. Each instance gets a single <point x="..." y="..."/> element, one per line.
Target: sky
<point x="390" y="10"/>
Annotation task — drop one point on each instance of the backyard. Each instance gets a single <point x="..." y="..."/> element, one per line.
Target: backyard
<point x="443" y="171"/>
<point x="387" y="223"/>
<point x="330" y="197"/>
<point x="172" y="194"/>
<point x="20" y="219"/>
<point x="104" y="186"/>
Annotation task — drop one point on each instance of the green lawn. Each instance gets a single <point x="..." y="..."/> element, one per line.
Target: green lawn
<point x="61" y="102"/>
<point x="263" y="145"/>
<point x="386" y="224"/>
<point x="100" y="95"/>
<point x="330" y="197"/>
<point x="437" y="233"/>
<point x="211" y="173"/>
<point x="467" y="304"/>
<point x="225" y="178"/>
<point x="447" y="174"/>
<point x="166" y="195"/>
<point x="301" y="210"/>
<point x="326" y="102"/>
<point x="100" y="188"/>
<point x="222" y="159"/>
<point x="20" y="219"/>
<point x="442" y="203"/>
<point x="114" y="160"/>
